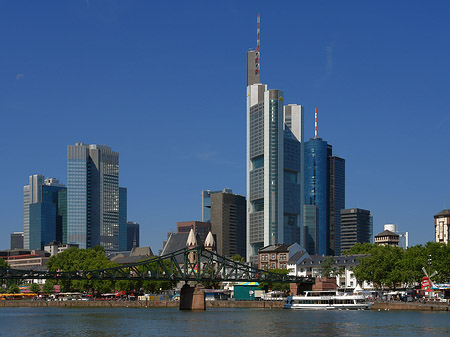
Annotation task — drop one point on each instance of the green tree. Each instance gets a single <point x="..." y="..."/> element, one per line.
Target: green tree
<point x="329" y="267"/>
<point x="438" y="255"/>
<point x="359" y="248"/>
<point x="238" y="258"/>
<point x="13" y="289"/>
<point x="35" y="288"/>
<point x="4" y="264"/>
<point x="75" y="259"/>
<point x="278" y="286"/>
<point x="48" y="287"/>
<point x="382" y="267"/>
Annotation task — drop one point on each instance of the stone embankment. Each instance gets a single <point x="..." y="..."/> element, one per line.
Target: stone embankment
<point x="210" y="304"/>
<point x="436" y="306"/>
<point x="139" y="304"/>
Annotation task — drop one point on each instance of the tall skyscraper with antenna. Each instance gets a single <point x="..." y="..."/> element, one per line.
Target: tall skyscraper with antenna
<point x="274" y="163"/>
<point x="324" y="188"/>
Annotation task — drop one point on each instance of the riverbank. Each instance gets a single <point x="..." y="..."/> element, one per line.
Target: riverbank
<point x="209" y="304"/>
<point x="139" y="304"/>
<point x="436" y="306"/>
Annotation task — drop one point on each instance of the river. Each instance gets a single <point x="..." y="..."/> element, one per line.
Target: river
<point x="218" y="322"/>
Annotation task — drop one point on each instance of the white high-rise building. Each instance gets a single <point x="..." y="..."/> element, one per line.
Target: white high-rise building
<point x="274" y="174"/>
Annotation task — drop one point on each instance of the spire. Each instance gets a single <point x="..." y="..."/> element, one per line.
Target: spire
<point x="192" y="240"/>
<point x="209" y="241"/>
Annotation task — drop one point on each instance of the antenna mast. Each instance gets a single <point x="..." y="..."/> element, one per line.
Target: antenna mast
<point x="257" y="59"/>
<point x="315" y="124"/>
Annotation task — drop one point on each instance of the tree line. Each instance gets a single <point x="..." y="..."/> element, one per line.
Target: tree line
<point x="391" y="266"/>
<point x="75" y="259"/>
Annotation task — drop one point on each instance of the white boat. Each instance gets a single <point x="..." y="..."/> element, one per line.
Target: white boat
<point x="327" y="300"/>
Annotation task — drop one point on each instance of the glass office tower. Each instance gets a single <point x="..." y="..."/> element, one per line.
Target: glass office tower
<point x="274" y="157"/>
<point x="316" y="189"/>
<point x="93" y="196"/>
<point x="43" y="212"/>
<point x="336" y="202"/>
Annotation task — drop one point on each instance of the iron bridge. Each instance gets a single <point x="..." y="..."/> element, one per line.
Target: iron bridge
<point x="194" y="264"/>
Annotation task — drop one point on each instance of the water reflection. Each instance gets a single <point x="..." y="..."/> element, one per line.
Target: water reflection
<point x="218" y="322"/>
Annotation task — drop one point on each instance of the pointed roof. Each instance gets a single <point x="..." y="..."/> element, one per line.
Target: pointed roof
<point x="445" y="212"/>
<point x="192" y="240"/>
<point x="209" y="241"/>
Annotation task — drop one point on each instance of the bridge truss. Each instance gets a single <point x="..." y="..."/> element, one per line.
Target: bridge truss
<point x="195" y="264"/>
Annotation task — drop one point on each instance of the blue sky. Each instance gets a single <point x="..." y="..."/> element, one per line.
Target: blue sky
<point x="164" y="83"/>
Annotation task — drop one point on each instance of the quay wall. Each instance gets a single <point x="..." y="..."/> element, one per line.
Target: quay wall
<point x="139" y="304"/>
<point x="410" y="306"/>
<point x="209" y="304"/>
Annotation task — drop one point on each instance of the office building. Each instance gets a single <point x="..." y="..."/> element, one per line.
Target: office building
<point x="310" y="225"/>
<point x="336" y="202"/>
<point x="132" y="235"/>
<point x="93" y="196"/>
<point x="274" y="160"/>
<point x="123" y="226"/>
<point x="206" y="203"/>
<point x="324" y="187"/>
<point x="200" y="228"/>
<point x="228" y="223"/>
<point x="44" y="212"/>
<point x="17" y="240"/>
<point x="356" y="227"/>
<point x="316" y="190"/>
<point x="402" y="236"/>
<point x="442" y="226"/>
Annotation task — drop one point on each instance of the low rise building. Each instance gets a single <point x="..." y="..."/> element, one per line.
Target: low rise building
<point x="387" y="238"/>
<point x="277" y="256"/>
<point x="54" y="248"/>
<point x="345" y="278"/>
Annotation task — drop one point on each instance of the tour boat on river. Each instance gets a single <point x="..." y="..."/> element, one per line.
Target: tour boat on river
<point x="327" y="300"/>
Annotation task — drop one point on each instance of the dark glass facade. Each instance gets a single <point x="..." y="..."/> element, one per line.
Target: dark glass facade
<point x="316" y="188"/>
<point x="356" y="227"/>
<point x="123" y="237"/>
<point x="310" y="225"/>
<point x="336" y="202"/>
<point x="132" y="233"/>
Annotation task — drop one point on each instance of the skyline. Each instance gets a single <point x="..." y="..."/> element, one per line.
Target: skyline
<point x="176" y="114"/>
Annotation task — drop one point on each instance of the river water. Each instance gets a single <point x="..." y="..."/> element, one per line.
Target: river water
<point x="218" y="322"/>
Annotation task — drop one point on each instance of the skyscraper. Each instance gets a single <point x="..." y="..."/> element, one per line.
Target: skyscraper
<point x="336" y="202"/>
<point x="44" y="212"/>
<point x="132" y="235"/>
<point x="123" y="226"/>
<point x="228" y="215"/>
<point x="324" y="187"/>
<point x="356" y="227"/>
<point x="206" y="203"/>
<point x="93" y="196"/>
<point x="274" y="157"/>
<point x="316" y="191"/>
<point x="16" y="240"/>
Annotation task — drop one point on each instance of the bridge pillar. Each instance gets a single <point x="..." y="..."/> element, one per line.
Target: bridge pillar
<point x="192" y="298"/>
